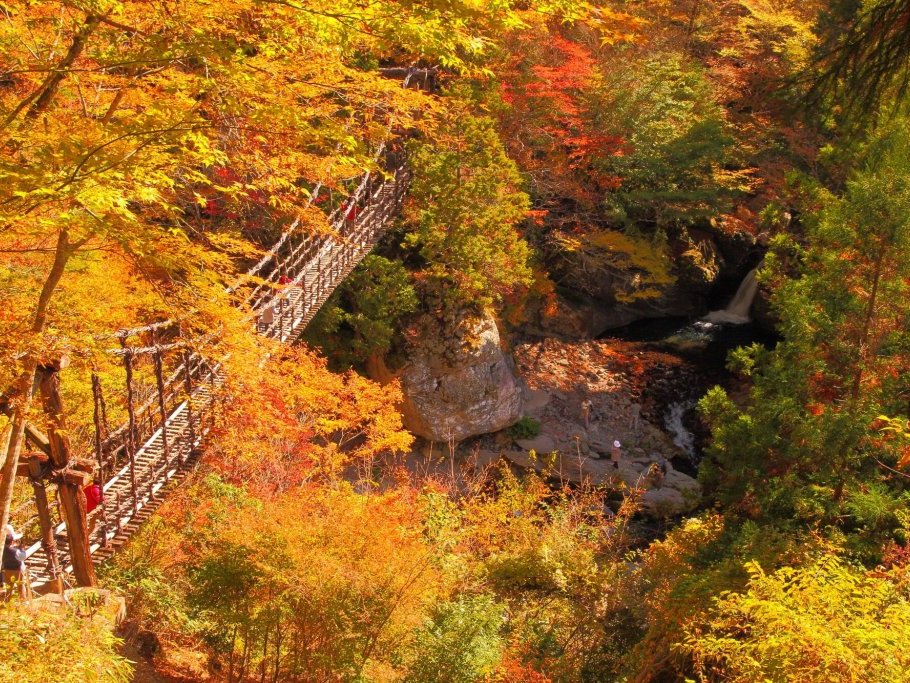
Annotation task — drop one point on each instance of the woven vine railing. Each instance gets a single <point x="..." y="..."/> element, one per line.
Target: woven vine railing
<point x="170" y="390"/>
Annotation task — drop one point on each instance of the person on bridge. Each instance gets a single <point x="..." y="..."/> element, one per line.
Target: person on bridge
<point x="266" y="318"/>
<point x="14" y="569"/>
<point x="93" y="495"/>
<point x="284" y="279"/>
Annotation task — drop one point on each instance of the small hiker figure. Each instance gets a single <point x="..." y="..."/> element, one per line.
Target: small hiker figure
<point x="284" y="279"/>
<point x="14" y="569"/>
<point x="93" y="497"/>
<point x="616" y="454"/>
<point x="586" y="407"/>
<point x="266" y="318"/>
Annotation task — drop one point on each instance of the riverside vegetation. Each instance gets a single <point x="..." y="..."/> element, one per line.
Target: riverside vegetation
<point x="576" y="166"/>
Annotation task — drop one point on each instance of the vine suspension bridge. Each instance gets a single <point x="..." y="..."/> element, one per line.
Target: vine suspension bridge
<point x="170" y="392"/>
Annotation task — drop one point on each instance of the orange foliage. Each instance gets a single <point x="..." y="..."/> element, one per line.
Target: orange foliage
<point x="296" y="420"/>
<point x="512" y="670"/>
<point x="549" y="125"/>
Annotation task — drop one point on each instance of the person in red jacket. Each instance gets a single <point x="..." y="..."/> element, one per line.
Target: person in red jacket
<point x="93" y="496"/>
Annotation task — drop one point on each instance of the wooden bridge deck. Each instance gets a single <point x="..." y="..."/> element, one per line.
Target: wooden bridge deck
<point x="122" y="515"/>
<point x="315" y="267"/>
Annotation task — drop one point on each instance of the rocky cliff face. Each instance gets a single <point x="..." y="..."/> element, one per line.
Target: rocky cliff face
<point x="469" y="390"/>
<point x="599" y="291"/>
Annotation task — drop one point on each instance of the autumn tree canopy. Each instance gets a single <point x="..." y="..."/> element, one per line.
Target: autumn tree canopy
<point x="567" y="163"/>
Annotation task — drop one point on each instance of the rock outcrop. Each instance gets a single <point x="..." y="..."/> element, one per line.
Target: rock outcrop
<point x="614" y="281"/>
<point x="585" y="395"/>
<point x="465" y="392"/>
<point x="586" y="317"/>
<point x="674" y="494"/>
<point x="677" y="494"/>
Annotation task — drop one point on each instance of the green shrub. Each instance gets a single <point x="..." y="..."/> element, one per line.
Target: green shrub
<point x="826" y="621"/>
<point x="525" y="428"/>
<point x="460" y="643"/>
<point x="72" y="646"/>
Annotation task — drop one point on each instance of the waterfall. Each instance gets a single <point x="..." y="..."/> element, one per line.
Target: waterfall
<point x="673" y="421"/>
<point x="737" y="311"/>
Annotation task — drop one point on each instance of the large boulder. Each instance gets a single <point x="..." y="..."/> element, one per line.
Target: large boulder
<point x="676" y="494"/>
<point x="470" y="389"/>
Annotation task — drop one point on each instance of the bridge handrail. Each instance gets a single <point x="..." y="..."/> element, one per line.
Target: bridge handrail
<point x="332" y="253"/>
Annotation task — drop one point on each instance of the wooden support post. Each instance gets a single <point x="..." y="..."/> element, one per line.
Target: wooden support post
<point x="100" y="420"/>
<point x="118" y="529"/>
<point x="188" y="383"/>
<point x="131" y="429"/>
<point x="212" y="393"/>
<point x="162" y="410"/>
<point x="72" y="501"/>
<point x="69" y="494"/>
<point x="49" y="386"/>
<point x="151" y="478"/>
<point x="48" y="540"/>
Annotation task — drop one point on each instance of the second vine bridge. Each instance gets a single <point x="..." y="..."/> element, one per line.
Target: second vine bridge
<point x="170" y="391"/>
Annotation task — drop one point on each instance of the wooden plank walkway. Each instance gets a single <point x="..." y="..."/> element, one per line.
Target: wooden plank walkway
<point x="333" y="257"/>
<point x="315" y="267"/>
<point x="120" y="516"/>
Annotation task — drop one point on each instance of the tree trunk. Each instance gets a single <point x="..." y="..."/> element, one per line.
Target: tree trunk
<point x="867" y="326"/>
<point x="27" y="381"/>
<point x="49" y="89"/>
<point x="71" y="496"/>
<point x="44" y="95"/>
<point x="14" y="444"/>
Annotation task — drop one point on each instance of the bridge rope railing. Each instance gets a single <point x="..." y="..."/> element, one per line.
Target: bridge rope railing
<point x="164" y="429"/>
<point x="172" y="406"/>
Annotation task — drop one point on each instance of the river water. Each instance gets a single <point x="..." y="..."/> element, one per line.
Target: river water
<point x="704" y="343"/>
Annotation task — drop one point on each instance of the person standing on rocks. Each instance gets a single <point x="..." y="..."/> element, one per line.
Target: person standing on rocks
<point x="616" y="454"/>
<point x="658" y="472"/>
<point x="586" y="407"/>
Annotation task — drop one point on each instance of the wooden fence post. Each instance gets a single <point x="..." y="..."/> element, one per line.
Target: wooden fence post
<point x="100" y="420"/>
<point x="131" y="429"/>
<point x="69" y="490"/>
<point x="188" y="383"/>
<point x="162" y="410"/>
